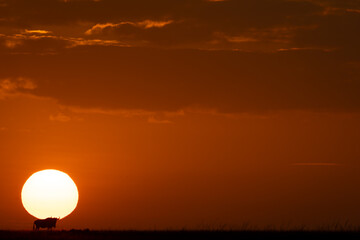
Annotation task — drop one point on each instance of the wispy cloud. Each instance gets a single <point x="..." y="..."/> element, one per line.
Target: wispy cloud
<point x="112" y="112"/>
<point x="10" y="86"/>
<point x="163" y="117"/>
<point x="51" y="41"/>
<point x="74" y="42"/>
<point x="146" y="24"/>
<point x="153" y="24"/>
<point x="37" y="31"/>
<point x="248" y="25"/>
<point x="158" y="117"/>
<point x="152" y="119"/>
<point x="305" y="49"/>
<point x="353" y="10"/>
<point x="60" y="117"/>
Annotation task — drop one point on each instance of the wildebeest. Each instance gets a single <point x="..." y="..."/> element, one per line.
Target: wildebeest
<point x="48" y="223"/>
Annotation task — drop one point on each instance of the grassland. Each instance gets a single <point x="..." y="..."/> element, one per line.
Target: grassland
<point x="177" y="235"/>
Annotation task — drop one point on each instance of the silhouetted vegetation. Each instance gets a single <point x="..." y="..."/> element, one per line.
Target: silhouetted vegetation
<point x="86" y="234"/>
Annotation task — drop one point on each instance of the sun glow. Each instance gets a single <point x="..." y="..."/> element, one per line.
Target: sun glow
<point x="49" y="193"/>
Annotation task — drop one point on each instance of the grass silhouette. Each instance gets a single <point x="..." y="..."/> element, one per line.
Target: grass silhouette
<point x="334" y="233"/>
<point x="337" y="230"/>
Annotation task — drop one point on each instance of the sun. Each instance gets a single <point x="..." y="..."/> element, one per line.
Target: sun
<point x="49" y="193"/>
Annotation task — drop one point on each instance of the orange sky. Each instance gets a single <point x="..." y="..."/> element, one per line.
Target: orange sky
<point x="173" y="114"/>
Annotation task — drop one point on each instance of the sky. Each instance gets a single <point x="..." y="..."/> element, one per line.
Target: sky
<point x="195" y="114"/>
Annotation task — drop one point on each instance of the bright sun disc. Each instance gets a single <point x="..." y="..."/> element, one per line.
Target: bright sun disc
<point x="49" y="193"/>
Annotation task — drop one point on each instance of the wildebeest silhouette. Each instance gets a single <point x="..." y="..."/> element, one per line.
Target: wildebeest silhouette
<point x="48" y="223"/>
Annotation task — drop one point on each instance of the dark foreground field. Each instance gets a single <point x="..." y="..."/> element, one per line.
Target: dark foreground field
<point x="174" y="235"/>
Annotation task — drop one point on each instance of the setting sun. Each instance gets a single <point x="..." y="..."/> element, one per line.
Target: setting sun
<point x="49" y="193"/>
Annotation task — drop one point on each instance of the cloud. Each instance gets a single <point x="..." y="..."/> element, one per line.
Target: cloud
<point x="14" y="86"/>
<point x="261" y="25"/>
<point x="75" y="42"/>
<point x="353" y="10"/>
<point x="158" y="121"/>
<point x="60" y="117"/>
<point x="43" y="41"/>
<point x="159" y="116"/>
<point x="153" y="24"/>
<point x="146" y="24"/>
<point x="262" y="56"/>
<point x="27" y="31"/>
<point x="332" y="31"/>
<point x="154" y="80"/>
<point x="151" y="116"/>
<point x="111" y="112"/>
<point x="98" y="28"/>
<point x="172" y="24"/>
